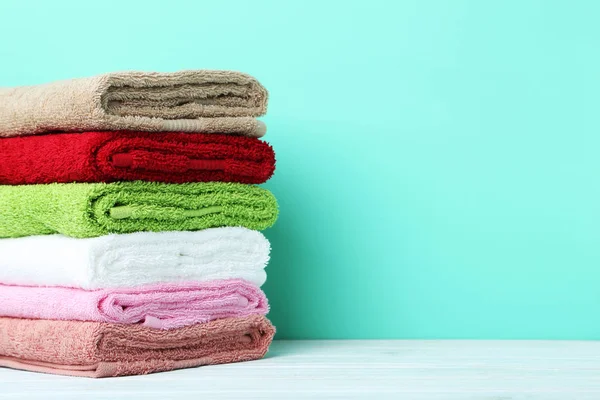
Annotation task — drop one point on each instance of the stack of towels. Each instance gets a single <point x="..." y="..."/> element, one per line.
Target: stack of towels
<point x="129" y="221"/>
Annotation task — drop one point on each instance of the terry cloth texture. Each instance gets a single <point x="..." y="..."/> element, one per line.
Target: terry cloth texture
<point x="135" y="259"/>
<point x="129" y="156"/>
<point x="96" y="349"/>
<point x="185" y="101"/>
<point x="164" y="306"/>
<point x="96" y="209"/>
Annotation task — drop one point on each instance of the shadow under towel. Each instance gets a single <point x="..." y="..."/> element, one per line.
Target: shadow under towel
<point x="95" y="349"/>
<point x="96" y="209"/>
<point x="130" y="156"/>
<point x="185" y="101"/>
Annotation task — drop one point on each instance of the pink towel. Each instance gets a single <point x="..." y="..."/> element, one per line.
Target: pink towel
<point x="95" y="349"/>
<point x="163" y="306"/>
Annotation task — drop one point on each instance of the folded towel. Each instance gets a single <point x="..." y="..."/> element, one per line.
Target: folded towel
<point x="128" y="156"/>
<point x="95" y="209"/>
<point x="185" y="101"/>
<point x="135" y="259"/>
<point x="164" y="306"/>
<point x="96" y="349"/>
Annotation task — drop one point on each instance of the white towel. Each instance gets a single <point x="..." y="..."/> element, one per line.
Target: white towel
<point x="135" y="259"/>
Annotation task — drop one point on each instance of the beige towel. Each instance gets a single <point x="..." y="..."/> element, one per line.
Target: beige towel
<point x="185" y="101"/>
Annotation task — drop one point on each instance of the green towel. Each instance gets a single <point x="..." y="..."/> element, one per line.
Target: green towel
<point x="95" y="209"/>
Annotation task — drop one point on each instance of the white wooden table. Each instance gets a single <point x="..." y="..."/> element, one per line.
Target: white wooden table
<point x="466" y="370"/>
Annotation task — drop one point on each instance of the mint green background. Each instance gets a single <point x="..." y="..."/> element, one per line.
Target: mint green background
<point x="438" y="161"/>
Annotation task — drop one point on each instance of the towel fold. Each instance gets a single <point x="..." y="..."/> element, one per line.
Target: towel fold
<point x="117" y="156"/>
<point x="135" y="259"/>
<point x="96" y="349"/>
<point x="95" y="209"/>
<point x="185" y="101"/>
<point x="164" y="306"/>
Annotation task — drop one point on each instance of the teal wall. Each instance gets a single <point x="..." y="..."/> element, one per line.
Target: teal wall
<point x="438" y="161"/>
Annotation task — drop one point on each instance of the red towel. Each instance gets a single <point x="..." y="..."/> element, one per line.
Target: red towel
<point x="118" y="156"/>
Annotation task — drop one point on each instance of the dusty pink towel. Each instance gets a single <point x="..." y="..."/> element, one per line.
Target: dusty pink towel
<point x="163" y="306"/>
<point x="95" y="349"/>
